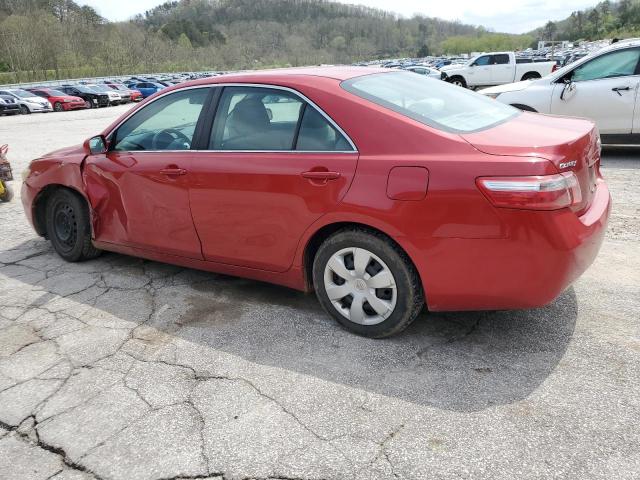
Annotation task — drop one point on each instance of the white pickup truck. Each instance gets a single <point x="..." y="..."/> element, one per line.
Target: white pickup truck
<point x="496" y="68"/>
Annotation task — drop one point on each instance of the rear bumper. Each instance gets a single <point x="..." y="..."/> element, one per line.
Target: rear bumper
<point x="541" y="256"/>
<point x="28" y="195"/>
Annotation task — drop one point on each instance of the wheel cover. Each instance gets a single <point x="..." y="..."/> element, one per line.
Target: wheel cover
<point x="65" y="225"/>
<point x="360" y="286"/>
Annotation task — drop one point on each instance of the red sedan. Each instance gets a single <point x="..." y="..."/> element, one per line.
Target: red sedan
<point x="380" y="190"/>
<point x="60" y="101"/>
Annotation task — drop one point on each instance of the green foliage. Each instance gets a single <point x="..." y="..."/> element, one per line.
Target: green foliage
<point x="606" y="20"/>
<point x="486" y="42"/>
<point x="46" y="39"/>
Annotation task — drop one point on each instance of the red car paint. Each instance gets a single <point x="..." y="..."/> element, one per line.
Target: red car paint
<point x="254" y="214"/>
<point x="68" y="102"/>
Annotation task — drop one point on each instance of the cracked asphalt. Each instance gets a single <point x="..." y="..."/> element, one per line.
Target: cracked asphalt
<point x="125" y="369"/>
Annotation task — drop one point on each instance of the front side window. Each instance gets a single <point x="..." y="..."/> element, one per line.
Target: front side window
<point x="169" y="123"/>
<point x="431" y="102"/>
<point x="615" y="64"/>
<point x="481" y="61"/>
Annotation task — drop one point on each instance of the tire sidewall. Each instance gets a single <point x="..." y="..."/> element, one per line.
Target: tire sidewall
<point x="57" y="107"/>
<point x="82" y="225"/>
<point x="403" y="313"/>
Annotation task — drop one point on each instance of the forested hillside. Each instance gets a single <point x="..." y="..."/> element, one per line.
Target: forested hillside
<point x="605" y="20"/>
<point x="58" y="38"/>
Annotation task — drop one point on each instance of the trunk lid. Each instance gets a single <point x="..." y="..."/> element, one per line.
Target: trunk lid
<point x="571" y="144"/>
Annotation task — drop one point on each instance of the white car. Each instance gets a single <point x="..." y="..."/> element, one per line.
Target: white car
<point x="28" y="102"/>
<point x="424" y="70"/>
<point x="496" y="68"/>
<point x="602" y="86"/>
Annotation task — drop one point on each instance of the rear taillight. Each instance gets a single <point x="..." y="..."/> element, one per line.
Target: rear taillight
<point x="555" y="67"/>
<point x="540" y="192"/>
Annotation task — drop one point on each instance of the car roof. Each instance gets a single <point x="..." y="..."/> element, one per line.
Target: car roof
<point x="340" y="73"/>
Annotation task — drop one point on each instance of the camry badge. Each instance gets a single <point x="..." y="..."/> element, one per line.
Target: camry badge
<point x="568" y="164"/>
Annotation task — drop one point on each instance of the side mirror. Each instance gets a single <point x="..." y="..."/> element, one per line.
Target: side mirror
<point x="95" y="145"/>
<point x="569" y="86"/>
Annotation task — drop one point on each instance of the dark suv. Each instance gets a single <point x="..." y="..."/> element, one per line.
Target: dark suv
<point x="8" y="105"/>
<point x="92" y="99"/>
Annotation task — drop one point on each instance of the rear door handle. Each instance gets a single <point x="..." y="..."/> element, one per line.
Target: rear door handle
<point x="173" y="172"/>
<point x="314" y="175"/>
<point x="619" y="89"/>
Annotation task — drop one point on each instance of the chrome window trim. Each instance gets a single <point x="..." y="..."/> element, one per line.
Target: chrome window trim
<point x="254" y="85"/>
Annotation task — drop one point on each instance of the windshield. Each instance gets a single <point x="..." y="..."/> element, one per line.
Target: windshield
<point x="22" y="93"/>
<point x="98" y="88"/>
<point x="433" y="102"/>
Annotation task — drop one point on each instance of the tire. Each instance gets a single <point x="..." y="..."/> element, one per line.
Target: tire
<point x="459" y="81"/>
<point x="88" y="104"/>
<point x="397" y="292"/>
<point x="68" y="226"/>
<point x="530" y="76"/>
<point x="7" y="196"/>
<point x="24" y="110"/>
<point x="57" y="107"/>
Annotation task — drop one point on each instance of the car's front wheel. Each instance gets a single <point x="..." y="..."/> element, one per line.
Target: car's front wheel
<point x="367" y="283"/>
<point x="68" y="226"/>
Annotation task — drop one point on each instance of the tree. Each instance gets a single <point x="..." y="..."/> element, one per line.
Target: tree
<point x="550" y="30"/>
<point x="424" y="51"/>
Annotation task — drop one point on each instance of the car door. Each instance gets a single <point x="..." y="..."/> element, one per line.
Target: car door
<point x="274" y="164"/>
<point x="480" y="71"/>
<point x="603" y="89"/>
<point x="501" y="69"/>
<point x="139" y="189"/>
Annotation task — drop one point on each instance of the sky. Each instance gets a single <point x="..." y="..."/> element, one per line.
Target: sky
<point x="514" y="16"/>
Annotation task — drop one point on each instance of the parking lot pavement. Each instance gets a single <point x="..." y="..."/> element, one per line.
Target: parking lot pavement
<point x="120" y="368"/>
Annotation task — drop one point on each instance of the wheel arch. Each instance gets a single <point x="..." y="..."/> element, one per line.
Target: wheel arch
<point x="321" y="234"/>
<point x="40" y="205"/>
<point x="525" y="108"/>
<point x="530" y="75"/>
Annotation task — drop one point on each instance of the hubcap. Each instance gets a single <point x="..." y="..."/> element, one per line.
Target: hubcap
<point x="64" y="221"/>
<point x="360" y="286"/>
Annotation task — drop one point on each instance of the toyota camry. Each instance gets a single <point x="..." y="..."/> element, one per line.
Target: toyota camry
<point x="382" y="191"/>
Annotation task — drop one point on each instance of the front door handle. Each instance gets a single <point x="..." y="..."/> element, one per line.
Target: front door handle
<point x="173" y="172"/>
<point x="321" y="175"/>
<point x="619" y="89"/>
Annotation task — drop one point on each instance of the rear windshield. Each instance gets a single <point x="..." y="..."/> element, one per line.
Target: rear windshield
<point x="433" y="102"/>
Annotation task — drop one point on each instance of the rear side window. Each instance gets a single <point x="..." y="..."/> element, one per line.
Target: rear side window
<point x="317" y="134"/>
<point x="268" y="119"/>
<point x="501" y="59"/>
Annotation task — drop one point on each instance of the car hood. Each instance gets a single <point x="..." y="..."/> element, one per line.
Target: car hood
<point x="73" y="154"/>
<point x="534" y="135"/>
<point x="509" y="87"/>
<point x="449" y="68"/>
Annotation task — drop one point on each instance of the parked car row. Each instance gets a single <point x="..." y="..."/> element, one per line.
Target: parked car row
<point x="601" y="86"/>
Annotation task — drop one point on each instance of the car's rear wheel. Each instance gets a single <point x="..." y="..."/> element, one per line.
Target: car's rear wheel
<point x="88" y="104"/>
<point x="58" y="107"/>
<point x="68" y="226"/>
<point x="367" y="283"/>
<point x="24" y="110"/>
